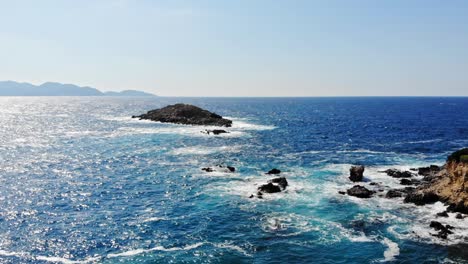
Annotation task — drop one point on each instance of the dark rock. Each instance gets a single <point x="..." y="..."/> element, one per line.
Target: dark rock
<point x="251" y="196"/>
<point x="457" y="155"/>
<point x="394" y="193"/>
<point x="459" y="216"/>
<point x="444" y="231"/>
<point x="398" y="174"/>
<point x="274" y="171"/>
<point x="405" y="182"/>
<point x="186" y="114"/>
<point x="341" y="192"/>
<point x="269" y="188"/>
<point x="373" y="183"/>
<point x="208" y="169"/>
<point x="281" y="181"/>
<point x="458" y="207"/>
<point x="360" y="192"/>
<point x="231" y="169"/>
<point x="427" y="171"/>
<point x="443" y="214"/>
<point x="215" y="131"/>
<point x="421" y="198"/>
<point x="413" y="169"/>
<point x="356" y="173"/>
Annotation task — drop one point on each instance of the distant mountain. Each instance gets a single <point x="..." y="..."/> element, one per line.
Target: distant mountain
<point x="11" y="88"/>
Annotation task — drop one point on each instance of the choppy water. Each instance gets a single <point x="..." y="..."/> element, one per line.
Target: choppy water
<point x="81" y="182"/>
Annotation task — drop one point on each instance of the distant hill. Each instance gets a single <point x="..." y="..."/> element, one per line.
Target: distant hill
<point x="11" y="88"/>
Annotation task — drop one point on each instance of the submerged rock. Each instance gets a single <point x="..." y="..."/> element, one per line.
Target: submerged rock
<point x="356" y="173"/>
<point x="394" y="194"/>
<point x="215" y="131"/>
<point x="208" y="169"/>
<point x="185" y="114"/>
<point x="274" y="171"/>
<point x="360" y="192"/>
<point x="443" y="214"/>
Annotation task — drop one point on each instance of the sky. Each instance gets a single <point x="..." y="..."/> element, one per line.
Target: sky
<point x="240" y="47"/>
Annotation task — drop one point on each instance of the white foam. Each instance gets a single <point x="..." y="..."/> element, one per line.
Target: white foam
<point x="201" y="150"/>
<point x="392" y="250"/>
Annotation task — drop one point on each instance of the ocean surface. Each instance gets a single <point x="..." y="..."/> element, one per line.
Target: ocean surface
<point x="82" y="182"/>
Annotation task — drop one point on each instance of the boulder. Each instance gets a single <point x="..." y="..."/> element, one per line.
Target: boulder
<point x="185" y="114"/>
<point x="356" y="173"/>
<point x="281" y="181"/>
<point x="360" y="192"/>
<point x="208" y="169"/>
<point x="269" y="188"/>
<point x="274" y="171"/>
<point x="442" y="214"/>
<point x="419" y="197"/>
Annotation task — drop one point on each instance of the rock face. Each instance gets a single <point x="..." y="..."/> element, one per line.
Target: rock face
<point x="360" y="191"/>
<point x="449" y="185"/>
<point x="186" y="114"/>
<point x="356" y="173"/>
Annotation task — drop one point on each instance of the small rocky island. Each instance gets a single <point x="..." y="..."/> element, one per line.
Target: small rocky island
<point x="187" y="115"/>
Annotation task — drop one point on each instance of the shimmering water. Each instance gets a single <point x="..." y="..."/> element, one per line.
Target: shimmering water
<point x="82" y="182"/>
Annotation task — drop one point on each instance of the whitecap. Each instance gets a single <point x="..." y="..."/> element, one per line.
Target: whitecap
<point x="392" y="250"/>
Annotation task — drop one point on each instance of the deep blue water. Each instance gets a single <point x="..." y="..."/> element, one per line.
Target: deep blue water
<point x="80" y="181"/>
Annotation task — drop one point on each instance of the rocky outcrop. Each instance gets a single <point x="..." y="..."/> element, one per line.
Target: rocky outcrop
<point x="356" y="173"/>
<point x="274" y="185"/>
<point x="444" y="231"/>
<point x="449" y="185"/>
<point x="398" y="174"/>
<point x="360" y="192"/>
<point x="185" y="114"/>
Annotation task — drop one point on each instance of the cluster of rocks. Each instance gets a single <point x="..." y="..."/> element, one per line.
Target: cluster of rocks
<point x="185" y="114"/>
<point x="274" y="185"/>
<point x="447" y="184"/>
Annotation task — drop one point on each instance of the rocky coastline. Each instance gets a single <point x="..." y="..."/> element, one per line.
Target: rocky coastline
<point x="447" y="184"/>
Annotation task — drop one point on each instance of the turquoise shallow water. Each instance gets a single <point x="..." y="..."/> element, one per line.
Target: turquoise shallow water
<point x="81" y="182"/>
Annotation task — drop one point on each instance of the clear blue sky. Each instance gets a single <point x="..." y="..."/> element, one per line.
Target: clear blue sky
<point x="240" y="48"/>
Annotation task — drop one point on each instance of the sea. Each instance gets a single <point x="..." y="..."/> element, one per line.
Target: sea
<point x="83" y="182"/>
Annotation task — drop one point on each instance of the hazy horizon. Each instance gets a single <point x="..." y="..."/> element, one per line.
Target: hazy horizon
<point x="241" y="49"/>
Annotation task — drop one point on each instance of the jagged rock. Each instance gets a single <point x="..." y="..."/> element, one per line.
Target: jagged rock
<point x="460" y="207"/>
<point x="269" y="188"/>
<point x="356" y="173"/>
<point x="398" y="174"/>
<point x="419" y="197"/>
<point x="274" y="171"/>
<point x="444" y="231"/>
<point x="281" y="181"/>
<point x="185" y="114"/>
<point x="360" y="192"/>
<point x="443" y="214"/>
